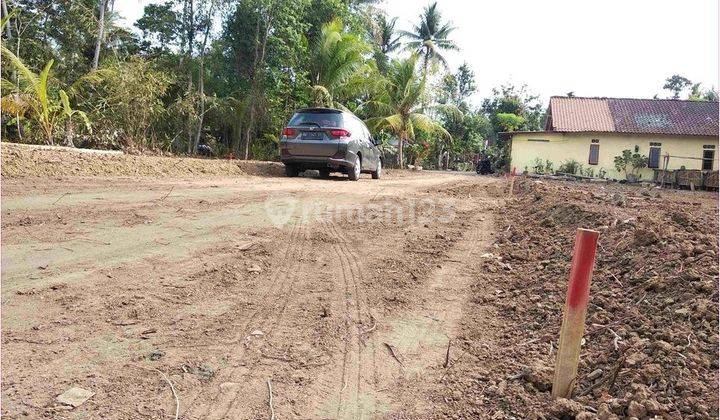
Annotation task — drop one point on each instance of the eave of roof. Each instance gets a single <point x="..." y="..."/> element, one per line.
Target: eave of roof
<point x="511" y="133"/>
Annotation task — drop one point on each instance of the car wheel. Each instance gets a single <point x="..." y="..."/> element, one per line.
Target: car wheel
<point x="354" y="172"/>
<point x="324" y="173"/>
<point x="291" y="171"/>
<point x="378" y="171"/>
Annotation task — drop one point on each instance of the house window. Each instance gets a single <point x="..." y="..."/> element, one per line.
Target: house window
<point x="654" y="155"/>
<point x="594" y="152"/>
<point x="708" y="157"/>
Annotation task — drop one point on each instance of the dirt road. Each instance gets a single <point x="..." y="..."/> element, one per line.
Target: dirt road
<point x="423" y="295"/>
<point x="342" y="296"/>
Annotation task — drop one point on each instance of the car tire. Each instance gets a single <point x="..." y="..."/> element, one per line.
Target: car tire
<point x="324" y="173"/>
<point x="291" y="171"/>
<point x="378" y="172"/>
<point x="354" y="171"/>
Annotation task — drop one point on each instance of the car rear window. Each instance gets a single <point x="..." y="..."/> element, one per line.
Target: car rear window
<point x="317" y="119"/>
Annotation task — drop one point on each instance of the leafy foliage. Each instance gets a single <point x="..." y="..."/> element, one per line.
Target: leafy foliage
<point x="634" y="160"/>
<point x="571" y="166"/>
<point x="430" y="38"/>
<point x="398" y="108"/>
<point x="231" y="74"/>
<point x="676" y="84"/>
<point x="337" y="56"/>
<point x="37" y="97"/>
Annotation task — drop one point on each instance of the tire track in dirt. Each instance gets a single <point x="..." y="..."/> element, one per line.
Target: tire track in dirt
<point x="272" y="303"/>
<point x="345" y="398"/>
<point x="236" y="407"/>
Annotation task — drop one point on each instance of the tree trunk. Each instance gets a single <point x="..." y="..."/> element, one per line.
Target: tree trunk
<point x="7" y="25"/>
<point x="15" y="74"/>
<point x="201" y="79"/>
<point x="248" y="132"/>
<point x="201" y="82"/>
<point x="254" y="72"/>
<point x="400" y="152"/>
<point x="259" y="59"/>
<point x="101" y="34"/>
<point x="69" y="133"/>
<point x="237" y="137"/>
<point x="190" y="33"/>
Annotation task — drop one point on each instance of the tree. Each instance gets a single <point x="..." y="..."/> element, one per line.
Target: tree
<point x="459" y="120"/>
<point x="399" y="106"/>
<point x="160" y="26"/>
<point x="456" y="88"/>
<point x="429" y="38"/>
<point x="34" y="95"/>
<point x="336" y="56"/>
<point x="132" y="105"/>
<point x="100" y="33"/>
<point x="698" y="93"/>
<point x="676" y="84"/>
<point x="635" y="161"/>
<point x="511" y="108"/>
<point x="386" y="40"/>
<point x="206" y="25"/>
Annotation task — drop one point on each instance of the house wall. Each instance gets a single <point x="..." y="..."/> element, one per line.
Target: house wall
<point x="560" y="147"/>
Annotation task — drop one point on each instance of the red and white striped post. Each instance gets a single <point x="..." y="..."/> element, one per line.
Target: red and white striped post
<point x="573" y="325"/>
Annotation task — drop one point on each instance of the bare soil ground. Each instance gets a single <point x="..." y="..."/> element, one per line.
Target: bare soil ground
<point x="344" y="296"/>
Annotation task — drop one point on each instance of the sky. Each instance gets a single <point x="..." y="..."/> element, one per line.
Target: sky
<point x="611" y="48"/>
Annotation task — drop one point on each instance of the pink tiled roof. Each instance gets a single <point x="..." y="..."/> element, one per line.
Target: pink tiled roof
<point x="580" y="114"/>
<point x="651" y="116"/>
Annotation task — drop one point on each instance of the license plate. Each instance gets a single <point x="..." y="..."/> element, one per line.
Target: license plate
<point x="312" y="135"/>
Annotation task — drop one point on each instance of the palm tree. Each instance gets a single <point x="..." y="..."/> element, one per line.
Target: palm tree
<point x="399" y="106"/>
<point x="386" y="40"/>
<point x="430" y="37"/>
<point x="337" y="56"/>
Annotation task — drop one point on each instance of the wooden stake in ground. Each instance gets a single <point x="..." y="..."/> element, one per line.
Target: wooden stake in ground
<point x="573" y="325"/>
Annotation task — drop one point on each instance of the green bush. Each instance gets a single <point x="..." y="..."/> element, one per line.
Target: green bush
<point x="635" y="162"/>
<point x="570" y="166"/>
<point x="539" y="166"/>
<point x="549" y="167"/>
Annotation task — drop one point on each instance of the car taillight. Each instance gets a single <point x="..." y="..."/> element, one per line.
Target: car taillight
<point x="289" y="132"/>
<point x="339" y="133"/>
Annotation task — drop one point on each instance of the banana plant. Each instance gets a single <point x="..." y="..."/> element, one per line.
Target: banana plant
<point x="32" y="97"/>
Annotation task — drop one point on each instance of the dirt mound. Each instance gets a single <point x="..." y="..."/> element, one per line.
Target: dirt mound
<point x="652" y="325"/>
<point x="28" y="161"/>
<point x="565" y="215"/>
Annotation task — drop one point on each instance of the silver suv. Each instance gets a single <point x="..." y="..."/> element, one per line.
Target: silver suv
<point x="329" y="140"/>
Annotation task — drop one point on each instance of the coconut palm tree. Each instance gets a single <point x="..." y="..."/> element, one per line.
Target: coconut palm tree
<point x="429" y="37"/>
<point x="337" y="56"/>
<point x="399" y="106"/>
<point x="387" y="39"/>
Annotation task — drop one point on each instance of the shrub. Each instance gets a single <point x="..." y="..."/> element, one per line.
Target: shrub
<point x="131" y="102"/>
<point x="571" y="166"/>
<point x="538" y="167"/>
<point x="635" y="161"/>
<point x="549" y="167"/>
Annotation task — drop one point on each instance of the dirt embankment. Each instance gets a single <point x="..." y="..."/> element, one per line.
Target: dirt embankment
<point x="27" y="161"/>
<point x="652" y="327"/>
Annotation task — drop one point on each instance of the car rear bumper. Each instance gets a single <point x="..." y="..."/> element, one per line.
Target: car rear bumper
<point x="315" y="162"/>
